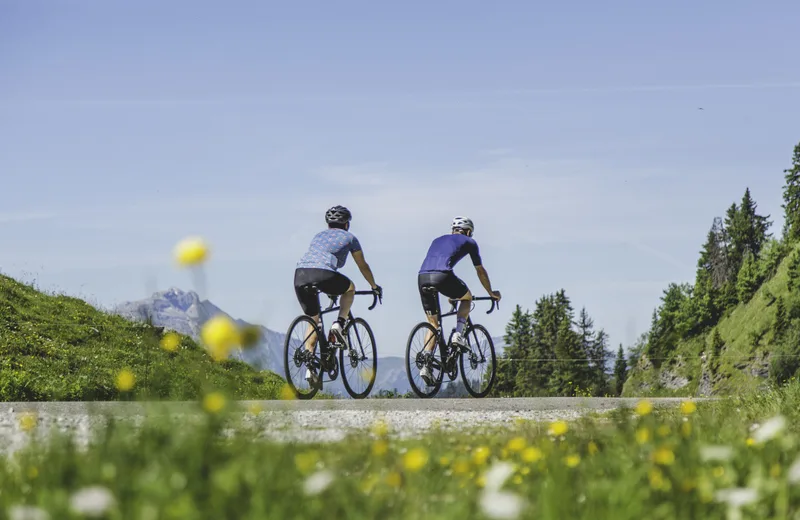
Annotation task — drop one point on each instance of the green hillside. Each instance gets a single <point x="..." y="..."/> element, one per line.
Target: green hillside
<point x="737" y="327"/>
<point x="61" y="348"/>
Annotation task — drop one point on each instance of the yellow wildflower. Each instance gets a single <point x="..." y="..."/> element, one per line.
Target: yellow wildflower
<point x="480" y="455"/>
<point x="394" y="479"/>
<point x="220" y="335"/>
<point x="592" y="448"/>
<point x="380" y="428"/>
<point x="306" y="461"/>
<point x="718" y="472"/>
<point x="686" y="429"/>
<point x="191" y="251"/>
<point x="663" y="456"/>
<point x="688" y="407"/>
<point x="642" y="435"/>
<point x="644" y="407"/>
<point x="125" y="380"/>
<point x="663" y="430"/>
<point x="380" y="447"/>
<point x="461" y="467"/>
<point x="28" y="421"/>
<point x="524" y="470"/>
<point x="287" y="394"/>
<point x="572" y="460"/>
<point x="532" y="454"/>
<point x="170" y="342"/>
<point x="516" y="444"/>
<point x="750" y="441"/>
<point x="558" y="428"/>
<point x="656" y="478"/>
<point x="415" y="459"/>
<point x="480" y="481"/>
<point x="517" y="479"/>
<point x="214" y="402"/>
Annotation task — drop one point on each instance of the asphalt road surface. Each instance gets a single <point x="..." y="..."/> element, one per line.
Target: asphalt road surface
<point x="319" y="420"/>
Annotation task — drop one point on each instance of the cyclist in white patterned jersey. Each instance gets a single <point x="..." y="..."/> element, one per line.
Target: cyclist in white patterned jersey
<point x="319" y="266"/>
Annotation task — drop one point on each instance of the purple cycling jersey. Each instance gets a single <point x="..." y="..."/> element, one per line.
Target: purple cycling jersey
<point x="447" y="250"/>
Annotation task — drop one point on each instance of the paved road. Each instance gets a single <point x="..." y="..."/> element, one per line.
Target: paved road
<point x="321" y="420"/>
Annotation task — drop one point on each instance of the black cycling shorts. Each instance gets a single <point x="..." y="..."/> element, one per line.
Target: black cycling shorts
<point x="446" y="282"/>
<point x="329" y="282"/>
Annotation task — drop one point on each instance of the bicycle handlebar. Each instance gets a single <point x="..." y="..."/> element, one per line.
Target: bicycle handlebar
<point x="375" y="299"/>
<point x="495" y="303"/>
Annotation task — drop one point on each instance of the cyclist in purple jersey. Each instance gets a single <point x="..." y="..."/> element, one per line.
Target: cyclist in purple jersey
<point x="437" y="271"/>
<point x="319" y="266"/>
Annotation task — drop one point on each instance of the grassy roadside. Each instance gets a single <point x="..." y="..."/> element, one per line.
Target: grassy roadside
<point x="61" y="348"/>
<point x="691" y="461"/>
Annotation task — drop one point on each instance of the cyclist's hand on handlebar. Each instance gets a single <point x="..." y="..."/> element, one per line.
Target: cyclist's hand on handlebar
<point x="496" y="295"/>
<point x="378" y="290"/>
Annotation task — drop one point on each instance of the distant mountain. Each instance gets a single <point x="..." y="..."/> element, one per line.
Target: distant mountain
<point x="184" y="312"/>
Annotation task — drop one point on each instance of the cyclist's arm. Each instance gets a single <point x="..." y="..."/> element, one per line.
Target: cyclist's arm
<point x="363" y="266"/>
<point x="483" y="276"/>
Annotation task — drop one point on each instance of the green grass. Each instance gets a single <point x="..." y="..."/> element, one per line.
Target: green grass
<point x="748" y="337"/>
<point x="172" y="468"/>
<point x="61" y="348"/>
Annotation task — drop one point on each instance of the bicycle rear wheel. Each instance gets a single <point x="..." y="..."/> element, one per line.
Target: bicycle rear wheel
<point x="360" y="362"/>
<point x="478" y="364"/>
<point x="297" y="359"/>
<point x="414" y="361"/>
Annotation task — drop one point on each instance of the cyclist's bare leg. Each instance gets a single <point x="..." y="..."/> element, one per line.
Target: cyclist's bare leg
<point x="346" y="301"/>
<point x="430" y="337"/>
<point x="311" y="334"/>
<point x="464" y="306"/>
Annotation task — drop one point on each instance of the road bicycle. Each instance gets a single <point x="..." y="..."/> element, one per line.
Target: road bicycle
<point x="478" y="351"/>
<point x="323" y="360"/>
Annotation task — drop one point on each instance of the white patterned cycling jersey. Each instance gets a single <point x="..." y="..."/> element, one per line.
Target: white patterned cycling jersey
<point x="329" y="249"/>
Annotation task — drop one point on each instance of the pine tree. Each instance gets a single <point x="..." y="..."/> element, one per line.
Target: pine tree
<point x="747" y="282"/>
<point x="791" y="198"/>
<point x="781" y="319"/>
<point x="716" y="348"/>
<point x="753" y="227"/>
<point x="586" y="337"/>
<point x="794" y="271"/>
<point x="600" y="356"/>
<point x="518" y="342"/>
<point x="620" y="371"/>
<point x="570" y="366"/>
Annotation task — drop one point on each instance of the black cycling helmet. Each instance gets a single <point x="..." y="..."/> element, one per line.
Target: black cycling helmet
<point x="338" y="215"/>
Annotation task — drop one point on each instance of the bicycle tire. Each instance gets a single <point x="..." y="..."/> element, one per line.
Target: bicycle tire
<point x="409" y="362"/>
<point x="288" y="358"/>
<point x="492" y="359"/>
<point x="372" y="370"/>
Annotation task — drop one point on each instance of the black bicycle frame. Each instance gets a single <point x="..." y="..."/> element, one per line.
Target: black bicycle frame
<point x="453" y="311"/>
<point x="333" y="308"/>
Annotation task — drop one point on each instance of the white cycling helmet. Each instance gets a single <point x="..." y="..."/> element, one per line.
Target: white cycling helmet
<point x="464" y="223"/>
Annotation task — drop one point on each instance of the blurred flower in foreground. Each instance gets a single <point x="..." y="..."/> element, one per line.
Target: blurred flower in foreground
<point x="28" y="421"/>
<point x="27" y="513"/>
<point x="191" y="251"/>
<point x="770" y="429"/>
<point x="495" y="503"/>
<point x="572" y="461"/>
<point x="532" y="454"/>
<point x="480" y="455"/>
<point x="318" y="482"/>
<point x="250" y="335"/>
<point x="722" y="453"/>
<point x="380" y="428"/>
<point x="287" y="394"/>
<point x="92" y="501"/>
<point x="688" y="407"/>
<point x="558" y="428"/>
<point x="214" y="402"/>
<point x="415" y="459"/>
<point x="125" y="380"/>
<point x="736" y="497"/>
<point x="170" y="342"/>
<point x="644" y="407"/>
<point x="220" y="335"/>
<point x="794" y="472"/>
<point x="516" y="444"/>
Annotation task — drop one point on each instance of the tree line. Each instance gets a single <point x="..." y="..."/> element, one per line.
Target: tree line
<point x="551" y="351"/>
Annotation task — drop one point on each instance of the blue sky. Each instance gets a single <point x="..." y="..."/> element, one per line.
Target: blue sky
<point x="569" y="131"/>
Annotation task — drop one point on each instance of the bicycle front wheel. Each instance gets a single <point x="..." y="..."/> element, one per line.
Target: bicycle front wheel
<point x="478" y="364"/>
<point x="360" y="362"/>
<point x="422" y="336"/>
<point x="303" y="333"/>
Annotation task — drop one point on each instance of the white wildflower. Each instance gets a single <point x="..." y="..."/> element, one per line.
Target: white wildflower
<point x="501" y="504"/>
<point x="721" y="453"/>
<point x="318" y="482"/>
<point x="770" y="429"/>
<point x="27" y="513"/>
<point x="736" y="497"/>
<point x="794" y="472"/>
<point x="497" y="475"/>
<point x="92" y="501"/>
